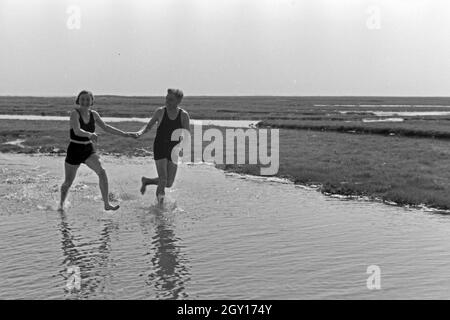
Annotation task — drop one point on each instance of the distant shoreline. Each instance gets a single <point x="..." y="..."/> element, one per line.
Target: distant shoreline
<point x="329" y="146"/>
<point x="236" y="95"/>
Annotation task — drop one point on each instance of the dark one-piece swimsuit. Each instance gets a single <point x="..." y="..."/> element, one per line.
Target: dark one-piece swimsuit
<point x="78" y="153"/>
<point x="163" y="144"/>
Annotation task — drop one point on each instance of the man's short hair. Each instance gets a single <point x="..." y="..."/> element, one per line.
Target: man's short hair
<point x="176" y="92"/>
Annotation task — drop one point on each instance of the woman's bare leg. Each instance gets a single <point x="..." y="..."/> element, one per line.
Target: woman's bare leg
<point x="94" y="163"/>
<point x="70" y="173"/>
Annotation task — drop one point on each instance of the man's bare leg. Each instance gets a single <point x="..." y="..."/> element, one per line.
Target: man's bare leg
<point x="161" y="168"/>
<point x="148" y="181"/>
<point x="171" y="173"/>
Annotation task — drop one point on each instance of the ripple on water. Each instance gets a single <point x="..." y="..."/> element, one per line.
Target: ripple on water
<point x="219" y="236"/>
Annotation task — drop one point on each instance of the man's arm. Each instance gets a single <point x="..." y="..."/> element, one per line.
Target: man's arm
<point x="185" y="120"/>
<point x="151" y="123"/>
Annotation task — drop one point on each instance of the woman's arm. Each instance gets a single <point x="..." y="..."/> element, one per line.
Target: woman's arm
<point x="107" y="127"/>
<point x="75" y="125"/>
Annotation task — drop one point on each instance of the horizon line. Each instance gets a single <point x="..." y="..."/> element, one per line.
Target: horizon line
<point x="237" y="95"/>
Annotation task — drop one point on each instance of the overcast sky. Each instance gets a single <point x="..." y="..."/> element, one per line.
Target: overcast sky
<point x="225" y="47"/>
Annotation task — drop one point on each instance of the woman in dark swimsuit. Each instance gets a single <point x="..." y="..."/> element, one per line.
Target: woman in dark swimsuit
<point x="81" y="148"/>
<point x="169" y="118"/>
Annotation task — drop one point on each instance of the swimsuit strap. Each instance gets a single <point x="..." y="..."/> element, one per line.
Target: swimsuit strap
<point x="166" y="113"/>
<point x="91" y="116"/>
<point x="81" y="118"/>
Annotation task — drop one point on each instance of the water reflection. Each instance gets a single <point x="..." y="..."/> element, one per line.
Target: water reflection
<point x="91" y="257"/>
<point x="169" y="269"/>
<point x="269" y="241"/>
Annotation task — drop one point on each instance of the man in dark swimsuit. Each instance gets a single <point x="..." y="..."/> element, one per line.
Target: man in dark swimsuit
<point x="169" y="118"/>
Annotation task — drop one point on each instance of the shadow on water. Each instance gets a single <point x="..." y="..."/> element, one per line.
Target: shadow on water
<point x="169" y="269"/>
<point x="92" y="260"/>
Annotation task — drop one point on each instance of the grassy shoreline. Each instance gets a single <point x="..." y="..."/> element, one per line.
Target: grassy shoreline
<point x="406" y="171"/>
<point x="323" y="140"/>
<point x="434" y="129"/>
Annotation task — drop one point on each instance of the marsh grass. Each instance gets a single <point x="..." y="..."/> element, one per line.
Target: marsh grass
<point x="405" y="163"/>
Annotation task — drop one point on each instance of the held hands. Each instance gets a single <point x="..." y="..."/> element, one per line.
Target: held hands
<point x="133" y="134"/>
<point x="93" y="137"/>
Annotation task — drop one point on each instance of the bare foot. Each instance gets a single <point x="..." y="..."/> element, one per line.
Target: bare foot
<point x="143" y="186"/>
<point x="109" y="207"/>
<point x="160" y="198"/>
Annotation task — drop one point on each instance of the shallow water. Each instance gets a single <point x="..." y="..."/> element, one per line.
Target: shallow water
<point x="401" y="113"/>
<point x="384" y="120"/>
<point x="17" y="142"/>
<point x="204" y="122"/>
<point x="383" y="105"/>
<point x="220" y="236"/>
<point x="410" y="113"/>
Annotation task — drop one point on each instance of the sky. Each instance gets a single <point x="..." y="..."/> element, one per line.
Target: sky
<point x="225" y="47"/>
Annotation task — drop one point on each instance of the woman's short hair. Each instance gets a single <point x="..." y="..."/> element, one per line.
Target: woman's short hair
<point x="176" y="92"/>
<point x="85" y="92"/>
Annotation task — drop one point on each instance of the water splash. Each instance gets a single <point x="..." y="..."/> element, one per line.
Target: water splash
<point x="218" y="237"/>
